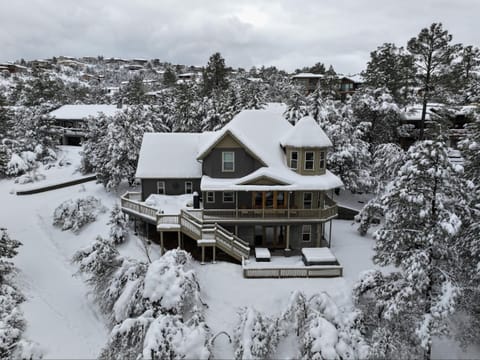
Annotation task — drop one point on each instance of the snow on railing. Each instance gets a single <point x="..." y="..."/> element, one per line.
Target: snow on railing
<point x="279" y="272"/>
<point x="134" y="205"/>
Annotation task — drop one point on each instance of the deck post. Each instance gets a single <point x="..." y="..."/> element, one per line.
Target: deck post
<point x="203" y="255"/>
<point x="214" y="250"/>
<point x="330" y="234"/>
<point x="287" y="235"/>
<point x="319" y="235"/>
<point x="179" y="240"/>
<point x="236" y="204"/>
<point x="162" y="248"/>
<point x="288" y="206"/>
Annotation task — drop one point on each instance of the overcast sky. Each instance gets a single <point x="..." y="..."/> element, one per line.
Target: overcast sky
<point x="285" y="33"/>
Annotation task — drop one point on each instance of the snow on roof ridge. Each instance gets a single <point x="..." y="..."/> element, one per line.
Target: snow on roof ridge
<point x="306" y="133"/>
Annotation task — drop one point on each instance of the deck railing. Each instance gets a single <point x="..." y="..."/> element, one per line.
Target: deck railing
<point x="325" y="213"/>
<point x="131" y="201"/>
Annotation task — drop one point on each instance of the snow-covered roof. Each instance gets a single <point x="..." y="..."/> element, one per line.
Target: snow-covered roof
<point x="306" y="133"/>
<point x="293" y="182"/>
<point x="79" y="112"/>
<point x="170" y="155"/>
<point x="178" y="155"/>
<point x="357" y="78"/>
<point x="322" y="254"/>
<point x="308" y="75"/>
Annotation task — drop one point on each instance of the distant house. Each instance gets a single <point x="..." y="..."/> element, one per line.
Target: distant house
<point x="263" y="184"/>
<point x="348" y="85"/>
<point x="412" y="115"/>
<point x="308" y="80"/>
<point x="71" y="120"/>
<point x="13" y="68"/>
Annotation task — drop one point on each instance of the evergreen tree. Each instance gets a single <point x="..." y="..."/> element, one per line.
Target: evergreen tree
<point x="5" y="118"/>
<point x="392" y="68"/>
<point x="466" y="75"/>
<point x="12" y="323"/>
<point x="215" y="74"/>
<point x="134" y="92"/>
<point x="377" y="108"/>
<point x="186" y="114"/>
<point x="296" y="106"/>
<point x="169" y="77"/>
<point x="118" y="225"/>
<point x="425" y="207"/>
<point x="433" y="56"/>
<point x="329" y="84"/>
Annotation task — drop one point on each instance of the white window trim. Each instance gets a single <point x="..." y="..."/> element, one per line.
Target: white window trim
<point x="233" y="197"/>
<point x="291" y="159"/>
<point x="233" y="161"/>
<point x="311" y="200"/>
<point x="163" y="187"/>
<point x="191" y="187"/>
<point x="213" y="197"/>
<point x="312" y="161"/>
<point x="309" y="232"/>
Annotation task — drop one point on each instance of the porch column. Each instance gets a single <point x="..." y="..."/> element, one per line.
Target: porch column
<point x="287" y="236"/>
<point x="179" y="240"/>
<point x="214" y="250"/>
<point x="319" y="235"/>
<point x="236" y="204"/>
<point x="162" y="248"/>
<point x="203" y="255"/>
<point x="330" y="235"/>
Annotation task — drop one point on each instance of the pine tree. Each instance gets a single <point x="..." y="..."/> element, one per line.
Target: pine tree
<point x="377" y="108"/>
<point x="5" y="119"/>
<point x="433" y="56"/>
<point x="392" y="68"/>
<point x="296" y="106"/>
<point x="118" y="225"/>
<point x="12" y="323"/>
<point x="215" y="74"/>
<point x="134" y="92"/>
<point x="425" y="207"/>
<point x="169" y="77"/>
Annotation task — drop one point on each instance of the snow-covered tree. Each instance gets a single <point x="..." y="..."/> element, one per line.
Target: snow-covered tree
<point x="296" y="106"/>
<point x="350" y="157"/>
<point x="433" y="55"/>
<point x="392" y="68"/>
<point x="133" y="93"/>
<point x="74" y="214"/>
<point x="425" y="209"/>
<point x="118" y="225"/>
<point x="377" y="108"/>
<point x="255" y="335"/>
<point x="112" y="145"/>
<point x="12" y="323"/>
<point x="215" y="75"/>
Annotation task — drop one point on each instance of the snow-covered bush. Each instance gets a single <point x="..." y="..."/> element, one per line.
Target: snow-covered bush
<point x="30" y="177"/>
<point x="118" y="225"/>
<point x="21" y="163"/>
<point x="74" y="214"/>
<point x="319" y="328"/>
<point x="255" y="336"/>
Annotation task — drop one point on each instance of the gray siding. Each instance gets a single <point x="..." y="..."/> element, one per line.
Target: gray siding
<point x="244" y="164"/>
<point x="172" y="186"/>
<point x="244" y="201"/>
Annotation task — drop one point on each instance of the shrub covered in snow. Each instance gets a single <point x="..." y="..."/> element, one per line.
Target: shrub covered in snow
<point x="118" y="225"/>
<point x="255" y="336"/>
<point x="317" y="325"/>
<point x="74" y="214"/>
<point x="21" y="163"/>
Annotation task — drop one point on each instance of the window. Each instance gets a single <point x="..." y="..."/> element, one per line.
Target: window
<point x="309" y="160"/>
<point x="188" y="187"/>
<point x="307" y="200"/>
<point x="293" y="160"/>
<point x="228" y="197"/>
<point x="228" y="161"/>
<point x="306" y="232"/>
<point x="280" y="200"/>
<point x="161" y="187"/>
<point x="210" y="197"/>
<point x="322" y="160"/>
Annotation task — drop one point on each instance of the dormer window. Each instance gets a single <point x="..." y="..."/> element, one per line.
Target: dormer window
<point x="228" y="161"/>
<point x="294" y="160"/>
<point x="309" y="160"/>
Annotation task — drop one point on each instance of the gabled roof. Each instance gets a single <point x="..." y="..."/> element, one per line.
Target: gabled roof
<point x="307" y="75"/>
<point x="170" y="155"/>
<point x="306" y="134"/>
<point x="258" y="131"/>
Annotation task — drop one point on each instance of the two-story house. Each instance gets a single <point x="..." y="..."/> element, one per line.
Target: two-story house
<point x="263" y="183"/>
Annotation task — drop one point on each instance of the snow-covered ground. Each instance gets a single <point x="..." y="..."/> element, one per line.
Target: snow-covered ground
<point x="60" y="313"/>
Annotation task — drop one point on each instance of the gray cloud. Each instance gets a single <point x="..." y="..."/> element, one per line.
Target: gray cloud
<point x="285" y="33"/>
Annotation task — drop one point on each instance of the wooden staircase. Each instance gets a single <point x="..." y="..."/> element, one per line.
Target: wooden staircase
<point x="207" y="233"/>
